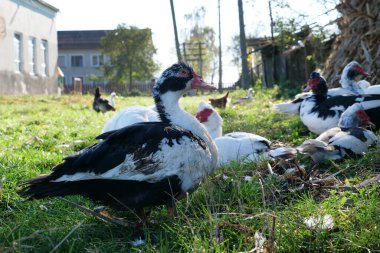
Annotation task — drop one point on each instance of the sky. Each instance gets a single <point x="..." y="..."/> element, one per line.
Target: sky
<point x="156" y="15"/>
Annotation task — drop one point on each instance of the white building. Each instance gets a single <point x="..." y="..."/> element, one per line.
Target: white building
<point x="28" y="47"/>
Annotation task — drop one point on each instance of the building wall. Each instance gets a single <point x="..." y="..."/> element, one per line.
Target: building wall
<point x="86" y="71"/>
<point x="29" y="19"/>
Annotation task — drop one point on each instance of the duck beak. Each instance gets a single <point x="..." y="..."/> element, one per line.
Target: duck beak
<point x="362" y="72"/>
<point x="371" y="125"/>
<point x="307" y="88"/>
<point x="198" y="83"/>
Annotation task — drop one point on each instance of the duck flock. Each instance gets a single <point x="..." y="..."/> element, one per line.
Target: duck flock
<point x="149" y="156"/>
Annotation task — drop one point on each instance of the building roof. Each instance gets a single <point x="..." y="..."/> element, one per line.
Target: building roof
<point x="258" y="42"/>
<point x="38" y="6"/>
<point x="87" y="39"/>
<point x="47" y="5"/>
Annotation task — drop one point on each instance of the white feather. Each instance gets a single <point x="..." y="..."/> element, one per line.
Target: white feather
<point x="374" y="89"/>
<point x="288" y="107"/>
<point x="293" y="108"/>
<point x="130" y="115"/>
<point x="111" y="99"/>
<point x="316" y="124"/>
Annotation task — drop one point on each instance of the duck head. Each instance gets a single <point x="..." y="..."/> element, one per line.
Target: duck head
<point x="354" y="116"/>
<point x="204" y="112"/>
<point x="208" y="115"/>
<point x="179" y="78"/>
<point x="210" y="118"/>
<point x="351" y="74"/>
<point x="365" y="120"/>
<point x="174" y="82"/>
<point x="317" y="84"/>
<point x="97" y="93"/>
<point x="354" y="70"/>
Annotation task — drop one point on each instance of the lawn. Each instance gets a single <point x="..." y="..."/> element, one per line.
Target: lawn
<point x="226" y="214"/>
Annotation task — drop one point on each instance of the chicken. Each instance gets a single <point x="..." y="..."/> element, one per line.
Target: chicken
<point x="221" y="102"/>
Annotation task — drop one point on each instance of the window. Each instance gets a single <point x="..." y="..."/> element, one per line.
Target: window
<point x="32" y="55"/>
<point x="62" y="61"/>
<point x="44" y="55"/>
<point x="97" y="60"/>
<point x="17" y="42"/>
<point x="76" y="61"/>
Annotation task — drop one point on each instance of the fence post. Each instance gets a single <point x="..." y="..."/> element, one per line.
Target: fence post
<point x="77" y="85"/>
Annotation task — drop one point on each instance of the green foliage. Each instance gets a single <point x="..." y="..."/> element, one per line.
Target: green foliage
<point x="131" y="53"/>
<point x="234" y="49"/>
<point x="222" y="215"/>
<point x="285" y="30"/>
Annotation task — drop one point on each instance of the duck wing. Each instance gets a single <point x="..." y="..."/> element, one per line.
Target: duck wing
<point x="139" y="165"/>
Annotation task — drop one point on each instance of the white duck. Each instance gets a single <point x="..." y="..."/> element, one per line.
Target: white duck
<point x="350" y="73"/>
<point x="237" y="146"/>
<point x="318" y="112"/>
<point x="131" y="115"/>
<point x="111" y="99"/>
<point x="346" y="140"/>
<point x="145" y="164"/>
<point x="248" y="98"/>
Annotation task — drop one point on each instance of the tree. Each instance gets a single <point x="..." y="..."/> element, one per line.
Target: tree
<point x="234" y="49"/>
<point x="199" y="43"/>
<point x="131" y="53"/>
<point x="243" y="48"/>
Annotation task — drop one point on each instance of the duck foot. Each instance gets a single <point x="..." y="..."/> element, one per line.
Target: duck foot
<point x="138" y="235"/>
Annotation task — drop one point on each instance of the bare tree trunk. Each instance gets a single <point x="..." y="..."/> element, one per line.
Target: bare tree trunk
<point x="220" y="51"/>
<point x="274" y="70"/>
<point x="243" y="49"/>
<point x="130" y="79"/>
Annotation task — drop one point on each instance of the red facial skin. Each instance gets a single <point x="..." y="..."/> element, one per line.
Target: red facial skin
<point x="312" y="84"/>
<point x="203" y="115"/>
<point x="360" y="70"/>
<point x="365" y="119"/>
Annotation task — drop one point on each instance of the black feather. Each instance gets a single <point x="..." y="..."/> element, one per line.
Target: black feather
<point x="117" y="193"/>
<point x="140" y="140"/>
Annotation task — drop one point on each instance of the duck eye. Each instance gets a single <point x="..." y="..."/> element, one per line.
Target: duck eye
<point x="183" y="72"/>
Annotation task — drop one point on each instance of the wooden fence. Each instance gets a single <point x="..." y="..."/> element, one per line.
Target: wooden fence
<point x="108" y="88"/>
<point x="121" y="88"/>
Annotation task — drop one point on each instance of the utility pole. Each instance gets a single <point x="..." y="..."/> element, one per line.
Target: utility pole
<point x="194" y="52"/>
<point x="243" y="48"/>
<point x="200" y="62"/>
<point x="179" y="57"/>
<point x="220" y="84"/>
<point x="274" y="72"/>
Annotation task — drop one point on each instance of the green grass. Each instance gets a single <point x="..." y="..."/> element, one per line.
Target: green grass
<point x="221" y="216"/>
